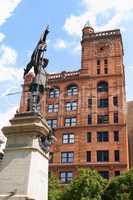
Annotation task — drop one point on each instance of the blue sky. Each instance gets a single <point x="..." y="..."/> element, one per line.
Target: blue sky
<point x="22" y="21"/>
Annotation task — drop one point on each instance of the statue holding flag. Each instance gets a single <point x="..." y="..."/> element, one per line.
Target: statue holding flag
<point x="39" y="85"/>
<point x="39" y="63"/>
<point x="37" y="56"/>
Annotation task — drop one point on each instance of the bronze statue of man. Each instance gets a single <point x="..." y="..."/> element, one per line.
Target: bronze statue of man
<point x="39" y="63"/>
<point x="39" y="85"/>
<point x="37" y="56"/>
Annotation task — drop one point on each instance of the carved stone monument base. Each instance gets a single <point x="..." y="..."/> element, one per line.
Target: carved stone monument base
<point x="24" y="168"/>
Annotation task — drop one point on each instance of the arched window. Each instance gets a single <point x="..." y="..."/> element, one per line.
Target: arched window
<point x="72" y="90"/>
<point x="54" y="92"/>
<point x="102" y="86"/>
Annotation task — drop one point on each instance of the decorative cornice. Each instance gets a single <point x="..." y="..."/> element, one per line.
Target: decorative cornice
<point x="102" y="164"/>
<point x="63" y="76"/>
<point x="90" y="126"/>
<point x="101" y="35"/>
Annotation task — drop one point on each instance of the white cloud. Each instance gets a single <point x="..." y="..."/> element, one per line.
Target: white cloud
<point x="97" y="6"/>
<point x="2" y="36"/>
<point x="60" y="44"/>
<point x="8" y="70"/>
<point x="6" y="9"/>
<point x="74" y="24"/>
<point x="4" y="117"/>
<point x="122" y="10"/>
<point x="8" y="55"/>
<point x="74" y="45"/>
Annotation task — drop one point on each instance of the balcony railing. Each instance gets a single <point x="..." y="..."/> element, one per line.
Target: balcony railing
<point x="102" y="34"/>
<point x="63" y="75"/>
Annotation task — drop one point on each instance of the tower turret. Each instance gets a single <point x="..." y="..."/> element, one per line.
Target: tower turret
<point x="87" y="28"/>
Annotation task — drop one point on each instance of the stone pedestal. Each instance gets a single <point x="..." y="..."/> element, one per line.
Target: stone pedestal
<point x="24" y="168"/>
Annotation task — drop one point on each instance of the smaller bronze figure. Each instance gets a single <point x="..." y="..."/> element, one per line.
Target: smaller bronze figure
<point x="46" y="142"/>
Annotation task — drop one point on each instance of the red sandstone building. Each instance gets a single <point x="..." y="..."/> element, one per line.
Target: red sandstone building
<point x="130" y="130"/>
<point x="87" y="109"/>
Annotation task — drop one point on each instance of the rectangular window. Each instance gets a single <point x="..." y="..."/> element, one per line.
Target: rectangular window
<point x="88" y="156"/>
<point x="115" y="101"/>
<point x="98" y="70"/>
<point x="28" y="104"/>
<point x="68" y="138"/>
<point x="102" y="119"/>
<point x="67" y="157"/>
<point x="105" y="62"/>
<point x="51" y="155"/>
<point x="98" y="66"/>
<point x="116" y="136"/>
<point x="98" y="62"/>
<point x="70" y="121"/>
<point x="105" y="70"/>
<point x="117" y="155"/>
<point x="102" y="136"/>
<point x="117" y="173"/>
<point x="50" y="108"/>
<point x="104" y="174"/>
<point x="102" y="103"/>
<point x="102" y="156"/>
<point x="53" y="108"/>
<point x="72" y="90"/>
<point x="66" y="177"/>
<point x="116" y="117"/>
<point x="89" y="119"/>
<point x="52" y="123"/>
<point x="88" y="137"/>
<point x="70" y="106"/>
<point x="53" y="93"/>
<point x="102" y="86"/>
<point x="89" y="102"/>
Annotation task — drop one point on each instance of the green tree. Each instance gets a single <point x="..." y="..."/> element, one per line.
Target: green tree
<point x="120" y="188"/>
<point x="89" y="185"/>
<point x="54" y="190"/>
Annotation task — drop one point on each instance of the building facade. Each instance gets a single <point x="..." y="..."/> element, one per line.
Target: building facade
<point x="87" y="109"/>
<point x="130" y="130"/>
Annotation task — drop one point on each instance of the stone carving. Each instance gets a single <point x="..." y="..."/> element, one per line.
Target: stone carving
<point x="46" y="142"/>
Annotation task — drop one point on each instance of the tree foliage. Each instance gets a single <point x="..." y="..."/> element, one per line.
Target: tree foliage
<point x="89" y="185"/>
<point x="120" y="188"/>
<point x="54" y="190"/>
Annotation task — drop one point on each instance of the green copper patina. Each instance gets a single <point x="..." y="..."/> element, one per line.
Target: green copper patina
<point x="87" y="24"/>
